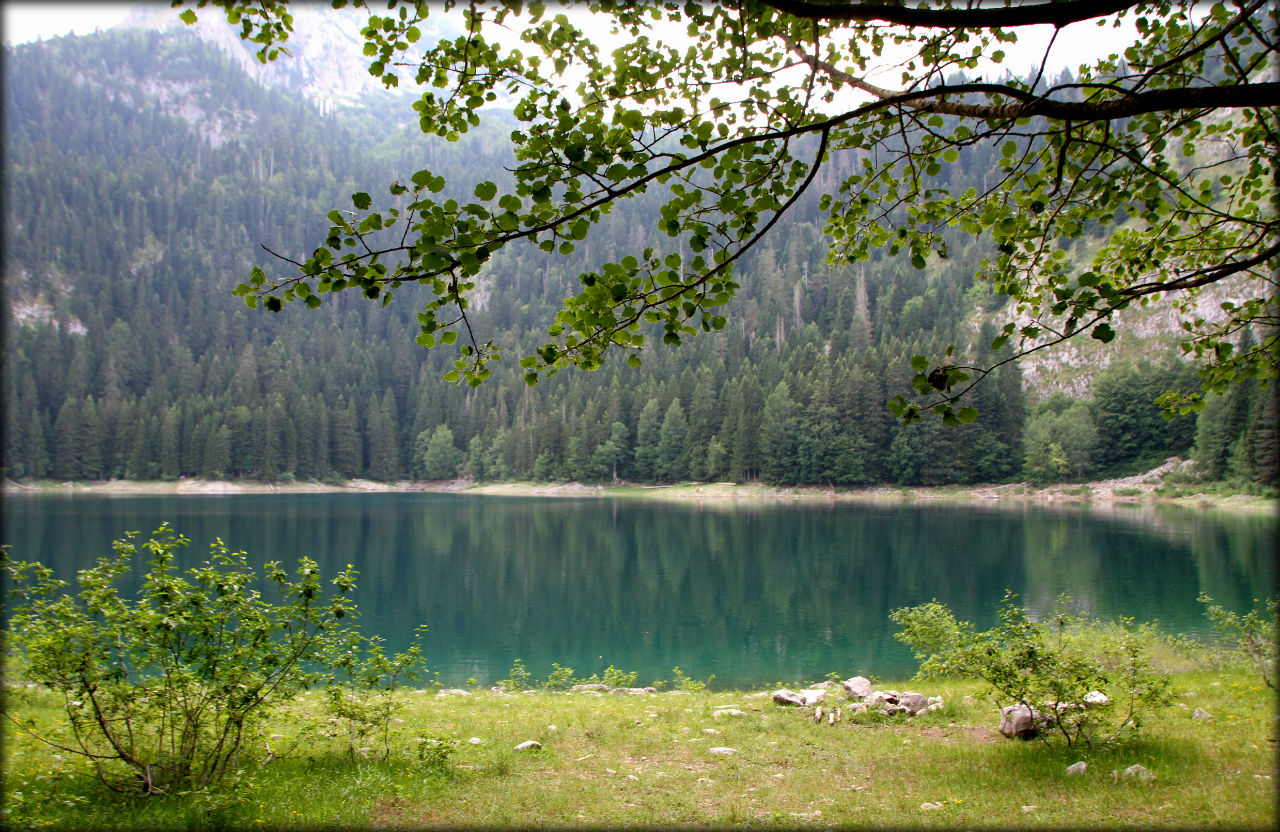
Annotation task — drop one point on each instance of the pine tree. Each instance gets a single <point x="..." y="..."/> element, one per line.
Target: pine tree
<point x="648" y="430"/>
<point x="673" y="454"/>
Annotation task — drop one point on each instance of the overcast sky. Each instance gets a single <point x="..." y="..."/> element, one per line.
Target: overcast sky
<point x="28" y="21"/>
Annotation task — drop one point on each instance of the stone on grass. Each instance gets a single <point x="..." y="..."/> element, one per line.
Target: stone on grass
<point x="454" y="692"/>
<point x="787" y="697"/>
<point x="728" y="712"/>
<point x="813" y="696"/>
<point x="858" y="687"/>
<point x="475" y="741"/>
<point x="913" y="702"/>
<point x="930" y="806"/>
<point x="1202" y="714"/>
<point x="722" y="750"/>
<point x="1139" y="772"/>
<point x="1021" y="722"/>
<point x="1076" y="768"/>
<point x="601" y="688"/>
<point x="710" y="731"/>
<point x="528" y="745"/>
<point x="1095" y="698"/>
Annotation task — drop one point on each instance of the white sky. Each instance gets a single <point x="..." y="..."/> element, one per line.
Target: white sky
<point x="29" y="21"/>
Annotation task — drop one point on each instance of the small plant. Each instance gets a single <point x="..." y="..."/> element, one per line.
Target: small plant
<point x="1055" y="667"/>
<point x="162" y="692"/>
<point x="518" y="678"/>
<point x="561" y="678"/>
<point x="683" y="682"/>
<point x="434" y="754"/>
<point x="619" y="679"/>
<point x="362" y="683"/>
<point x="1254" y="634"/>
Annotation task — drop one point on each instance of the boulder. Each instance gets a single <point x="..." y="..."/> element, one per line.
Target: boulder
<point x="1076" y="768"/>
<point x="1202" y="714"/>
<point x="823" y="685"/>
<point x="881" y="697"/>
<point x="1095" y="698"/>
<point x="1021" y="722"/>
<point x="787" y="697"/>
<point x="813" y="696"/>
<point x="913" y="702"/>
<point x="1139" y="772"/>
<point x="857" y="687"/>
<point x="528" y="745"/>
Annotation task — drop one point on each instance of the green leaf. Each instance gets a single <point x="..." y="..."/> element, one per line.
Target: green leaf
<point x="918" y="260"/>
<point x="919" y="363"/>
<point x="486" y="191"/>
<point x="188" y="17"/>
<point x="361" y="200"/>
<point x="1103" y="332"/>
<point x="967" y="414"/>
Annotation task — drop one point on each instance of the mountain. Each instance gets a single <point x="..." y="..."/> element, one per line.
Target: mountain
<point x="145" y="167"/>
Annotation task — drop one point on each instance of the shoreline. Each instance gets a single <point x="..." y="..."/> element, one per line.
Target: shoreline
<point x="1135" y="490"/>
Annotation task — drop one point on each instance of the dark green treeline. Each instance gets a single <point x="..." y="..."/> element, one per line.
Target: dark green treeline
<point x="128" y="225"/>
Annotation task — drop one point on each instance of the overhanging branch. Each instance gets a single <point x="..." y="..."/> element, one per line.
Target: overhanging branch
<point x="972" y="17"/>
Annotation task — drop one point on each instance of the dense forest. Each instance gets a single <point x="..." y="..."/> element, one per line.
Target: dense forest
<point x="143" y="170"/>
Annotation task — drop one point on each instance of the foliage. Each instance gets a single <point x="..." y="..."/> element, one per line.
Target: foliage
<point x="518" y="678"/>
<point x="1253" y="634"/>
<point x="684" y="682"/>
<point x="560" y="678"/>
<point x="435" y="456"/>
<point x="1049" y="666"/>
<point x="161" y="693"/>
<point x="362" y="683"/>
<point x="737" y="111"/>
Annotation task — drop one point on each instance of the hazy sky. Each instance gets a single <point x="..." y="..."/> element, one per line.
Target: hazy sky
<point x="28" y="21"/>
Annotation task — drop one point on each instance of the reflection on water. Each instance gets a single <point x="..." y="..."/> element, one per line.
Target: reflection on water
<point x="754" y="593"/>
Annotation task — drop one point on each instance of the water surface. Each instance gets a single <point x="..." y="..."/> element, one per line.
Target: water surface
<point x="753" y="592"/>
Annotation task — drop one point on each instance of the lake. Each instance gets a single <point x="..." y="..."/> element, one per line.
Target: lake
<point x="754" y="592"/>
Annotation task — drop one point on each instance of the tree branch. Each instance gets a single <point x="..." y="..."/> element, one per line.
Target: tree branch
<point x="974" y="17"/>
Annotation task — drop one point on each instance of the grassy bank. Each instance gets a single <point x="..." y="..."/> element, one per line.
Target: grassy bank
<point x="626" y="760"/>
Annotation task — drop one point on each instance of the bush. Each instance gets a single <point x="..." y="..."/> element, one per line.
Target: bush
<point x="162" y="692"/>
<point x="361" y="683"/>
<point x="518" y="678"/>
<point x="1047" y="666"/>
<point x="1254" y="634"/>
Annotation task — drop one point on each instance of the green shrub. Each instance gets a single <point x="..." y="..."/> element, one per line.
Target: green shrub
<point x="561" y="678"/>
<point x="1254" y="634"/>
<point x="162" y="692"/>
<point x="518" y="678"/>
<point x="1048" y="666"/>
<point x="683" y="682"/>
<point x="360" y="686"/>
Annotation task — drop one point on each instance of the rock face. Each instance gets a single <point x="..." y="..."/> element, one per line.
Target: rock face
<point x="857" y="687"/>
<point x="1021" y="722"/>
<point x="787" y="697"/>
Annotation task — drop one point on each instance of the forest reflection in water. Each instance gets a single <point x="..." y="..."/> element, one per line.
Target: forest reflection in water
<point x="754" y="592"/>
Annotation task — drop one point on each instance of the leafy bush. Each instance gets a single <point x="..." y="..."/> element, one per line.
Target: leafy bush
<point x="1254" y="634"/>
<point x="518" y="678"/>
<point x="561" y="678"/>
<point x="361" y="684"/>
<point x="162" y="692"/>
<point x="1047" y="666"/>
<point x="683" y="682"/>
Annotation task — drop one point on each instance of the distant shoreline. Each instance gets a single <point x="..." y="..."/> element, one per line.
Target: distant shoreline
<point x="1129" y="490"/>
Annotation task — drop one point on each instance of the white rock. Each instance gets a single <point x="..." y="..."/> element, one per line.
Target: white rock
<point x="475" y="741"/>
<point x="1020" y="721"/>
<point x="722" y="750"/>
<point x="552" y="728"/>
<point x="1139" y="772"/>
<point x="589" y="693"/>
<point x="857" y="687"/>
<point x="935" y="700"/>
<point x="528" y="745"/>
<point x="1096" y="697"/>
<point x="822" y="685"/>
<point x="1076" y="768"/>
<point x="1029" y="809"/>
<point x="710" y="731"/>
<point x="930" y="806"/>
<point x="813" y="696"/>
<point x="787" y="697"/>
<point x="729" y="712"/>
<point x="454" y="692"/>
<point x="578" y="688"/>
<point x="1202" y="714"/>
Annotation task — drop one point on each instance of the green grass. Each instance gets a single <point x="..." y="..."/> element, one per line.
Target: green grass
<point x="619" y="760"/>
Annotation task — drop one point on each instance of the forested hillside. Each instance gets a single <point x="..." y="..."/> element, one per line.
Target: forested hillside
<point x="143" y="170"/>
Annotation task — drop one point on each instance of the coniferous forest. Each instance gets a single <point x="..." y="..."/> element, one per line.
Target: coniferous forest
<point x="144" y="169"/>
